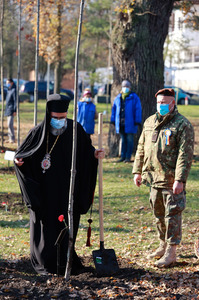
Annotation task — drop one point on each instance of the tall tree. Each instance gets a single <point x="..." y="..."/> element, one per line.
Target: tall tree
<point x="2" y="74"/>
<point x="137" y="47"/>
<point x="74" y="150"/>
<point x="10" y="38"/>
<point x="57" y="73"/>
<point x="54" y="36"/>
<point x="18" y="73"/>
<point x="36" y="64"/>
<point x="95" y="36"/>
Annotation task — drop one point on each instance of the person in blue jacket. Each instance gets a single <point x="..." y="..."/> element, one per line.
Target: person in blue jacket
<point x="126" y="116"/>
<point x="10" y="110"/>
<point x="87" y="112"/>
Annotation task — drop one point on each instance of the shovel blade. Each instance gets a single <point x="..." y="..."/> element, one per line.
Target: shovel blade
<point x="105" y="262"/>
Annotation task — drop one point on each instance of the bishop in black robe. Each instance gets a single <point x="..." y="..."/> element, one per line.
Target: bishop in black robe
<point x="46" y="193"/>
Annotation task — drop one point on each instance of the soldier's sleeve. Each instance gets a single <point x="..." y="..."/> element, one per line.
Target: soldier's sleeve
<point x="139" y="157"/>
<point x="185" y="154"/>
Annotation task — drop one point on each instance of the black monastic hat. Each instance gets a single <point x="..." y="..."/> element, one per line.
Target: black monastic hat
<point x="58" y="103"/>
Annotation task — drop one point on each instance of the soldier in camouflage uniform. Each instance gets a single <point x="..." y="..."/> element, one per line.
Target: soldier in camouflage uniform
<point x="163" y="161"/>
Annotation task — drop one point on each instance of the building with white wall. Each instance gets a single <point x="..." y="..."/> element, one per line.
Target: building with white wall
<point x="182" y="59"/>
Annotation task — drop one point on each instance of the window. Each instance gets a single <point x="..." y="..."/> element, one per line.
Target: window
<point x="196" y="57"/>
<point x="188" y="57"/>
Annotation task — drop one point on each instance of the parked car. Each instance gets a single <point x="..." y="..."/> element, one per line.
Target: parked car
<point x="67" y="92"/>
<point x="4" y="91"/>
<point x="103" y="89"/>
<point x="94" y="90"/>
<point x="28" y="88"/>
<point x="180" y="95"/>
<point x="21" y="81"/>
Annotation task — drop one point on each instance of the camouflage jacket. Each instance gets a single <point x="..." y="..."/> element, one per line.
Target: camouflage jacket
<point x="163" y="159"/>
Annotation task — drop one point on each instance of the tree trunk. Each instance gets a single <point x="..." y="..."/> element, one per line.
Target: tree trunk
<point x="113" y="141"/>
<point x="74" y="151"/>
<point x="2" y="93"/>
<point x="137" y="46"/>
<point x="59" y="46"/>
<point x="56" y="78"/>
<point x="10" y="64"/>
<point x="58" y="68"/>
<point x="36" y="64"/>
<point x="18" y="74"/>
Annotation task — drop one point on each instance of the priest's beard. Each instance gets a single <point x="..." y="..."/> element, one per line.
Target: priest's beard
<point x="56" y="132"/>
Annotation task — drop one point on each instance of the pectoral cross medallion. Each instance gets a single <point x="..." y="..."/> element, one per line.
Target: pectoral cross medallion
<point x="167" y="134"/>
<point x="45" y="164"/>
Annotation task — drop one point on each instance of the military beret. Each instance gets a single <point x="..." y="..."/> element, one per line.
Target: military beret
<point x="166" y="92"/>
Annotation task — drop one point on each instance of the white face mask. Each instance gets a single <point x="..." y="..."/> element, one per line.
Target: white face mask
<point x="125" y="90"/>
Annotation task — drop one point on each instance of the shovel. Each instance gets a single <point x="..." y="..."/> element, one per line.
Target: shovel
<point x="104" y="259"/>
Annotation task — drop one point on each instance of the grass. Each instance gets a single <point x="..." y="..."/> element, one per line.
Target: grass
<point x="27" y="114"/>
<point x="128" y="221"/>
<point x="189" y="111"/>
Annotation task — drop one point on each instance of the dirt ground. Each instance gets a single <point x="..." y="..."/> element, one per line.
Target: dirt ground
<point x="19" y="281"/>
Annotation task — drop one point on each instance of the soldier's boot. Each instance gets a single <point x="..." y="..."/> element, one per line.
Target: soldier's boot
<point x="169" y="257"/>
<point x="160" y="251"/>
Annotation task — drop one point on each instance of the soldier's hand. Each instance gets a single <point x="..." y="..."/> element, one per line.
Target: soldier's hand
<point x="138" y="179"/>
<point x="19" y="161"/>
<point x="177" y="187"/>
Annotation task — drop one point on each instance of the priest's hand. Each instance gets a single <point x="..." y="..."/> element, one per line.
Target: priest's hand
<point x="19" y="161"/>
<point x="99" y="153"/>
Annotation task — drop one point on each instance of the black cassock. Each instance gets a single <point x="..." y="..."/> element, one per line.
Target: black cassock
<point x="46" y="194"/>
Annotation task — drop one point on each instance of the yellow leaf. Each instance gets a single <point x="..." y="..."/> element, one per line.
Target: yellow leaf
<point x="119" y="226"/>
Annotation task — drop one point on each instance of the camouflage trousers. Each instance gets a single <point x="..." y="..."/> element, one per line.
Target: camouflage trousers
<point x="167" y="208"/>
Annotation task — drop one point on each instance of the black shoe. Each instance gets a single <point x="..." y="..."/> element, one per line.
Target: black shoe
<point x="77" y="266"/>
<point x="120" y="160"/>
<point x="77" y="270"/>
<point x="127" y="161"/>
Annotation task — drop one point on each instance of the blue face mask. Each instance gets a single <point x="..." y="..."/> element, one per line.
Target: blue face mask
<point x="57" y="124"/>
<point x="125" y="90"/>
<point x="163" y="109"/>
<point x="87" y="99"/>
<point x="9" y="85"/>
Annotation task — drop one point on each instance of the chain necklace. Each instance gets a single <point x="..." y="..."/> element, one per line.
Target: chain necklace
<point x="46" y="163"/>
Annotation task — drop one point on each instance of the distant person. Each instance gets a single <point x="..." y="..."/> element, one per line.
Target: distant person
<point x="10" y="110"/>
<point x="43" y="168"/>
<point x="126" y="116"/>
<point x="163" y="161"/>
<point x="87" y="112"/>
